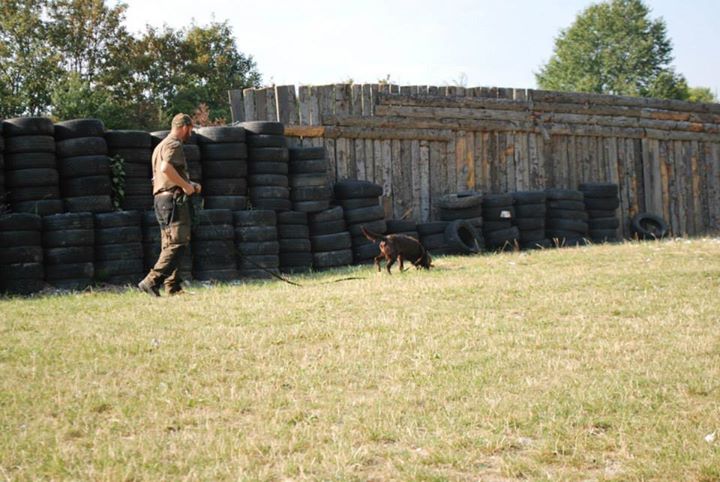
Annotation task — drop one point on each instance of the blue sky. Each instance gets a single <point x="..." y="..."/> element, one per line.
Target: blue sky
<point x="489" y="42"/>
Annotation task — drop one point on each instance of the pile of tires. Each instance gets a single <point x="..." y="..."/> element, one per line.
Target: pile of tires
<point x="566" y="219"/>
<point x="82" y="152"/>
<point x="256" y="242"/>
<point x="118" y="248"/>
<point x="330" y="240"/>
<point x="31" y="177"/>
<point x="135" y="150"/>
<point x="21" y="254"/>
<point x="294" y="239"/>
<point x="498" y="229"/>
<point x="649" y="226"/>
<point x="224" y="167"/>
<point x="190" y="149"/>
<point x="152" y="245"/>
<point x="432" y="237"/>
<point x="310" y="190"/>
<point x="601" y="204"/>
<point x="468" y="207"/>
<point x="268" y="157"/>
<point x="69" y="250"/>
<point x="213" y="246"/>
<point x="2" y="168"/>
<point x="530" y="210"/>
<point x="360" y="201"/>
<point x="402" y="226"/>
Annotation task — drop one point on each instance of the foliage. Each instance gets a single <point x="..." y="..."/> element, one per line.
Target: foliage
<point x="201" y="117"/>
<point x="701" y="94"/>
<point x="614" y="47"/>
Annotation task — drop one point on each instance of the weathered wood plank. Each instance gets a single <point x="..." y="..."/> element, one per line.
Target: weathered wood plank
<point x="574" y="163"/>
<point x="342" y="99"/>
<point x="538" y="151"/>
<point x="396" y="169"/>
<point x="697" y="192"/>
<point x="237" y="105"/>
<point x="370" y="159"/>
<point x="367" y="100"/>
<point x="356" y="99"/>
<point x="424" y="195"/>
<point x="684" y="191"/>
<point x="249" y="104"/>
<point x="360" y="159"/>
<point x="265" y="104"/>
<point x="667" y="181"/>
<point x="326" y="101"/>
<point x="478" y="157"/>
<point x="342" y="162"/>
<point x="387" y="179"/>
<point x="621" y="167"/>
<point x="411" y="170"/>
<point x="470" y="161"/>
<point x="515" y="156"/>
<point x="671" y="212"/>
<point x="286" y="104"/>
<point x="451" y="166"/>
<point x="499" y="165"/>
<point x="438" y="175"/>
<point x="330" y="155"/>
<point x="485" y="183"/>
<point x="559" y="176"/>
<point x="713" y="183"/>
<point x="304" y="99"/>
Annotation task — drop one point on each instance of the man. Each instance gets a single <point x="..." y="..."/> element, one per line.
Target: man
<point x="172" y="188"/>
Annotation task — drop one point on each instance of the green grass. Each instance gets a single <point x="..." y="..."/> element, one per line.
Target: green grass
<point x="597" y="363"/>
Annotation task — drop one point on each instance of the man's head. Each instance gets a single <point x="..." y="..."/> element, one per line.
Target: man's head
<point x="182" y="126"/>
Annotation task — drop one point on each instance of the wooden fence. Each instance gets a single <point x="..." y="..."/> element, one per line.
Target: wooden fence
<point x="420" y="142"/>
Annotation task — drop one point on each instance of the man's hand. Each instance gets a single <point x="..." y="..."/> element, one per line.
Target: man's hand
<point x="189" y="189"/>
<point x="198" y="187"/>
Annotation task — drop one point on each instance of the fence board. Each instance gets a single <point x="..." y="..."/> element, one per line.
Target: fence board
<point x="329" y="145"/>
<point x="360" y="159"/>
<point x="424" y="195"/>
<point x="370" y="159"/>
<point x="620" y="161"/>
<point x="502" y="172"/>
<point x="342" y="99"/>
<point x="438" y="174"/>
<point x="249" y="104"/>
<point x="451" y="166"/>
<point x="405" y="183"/>
<point x="714" y="184"/>
<point x="356" y="99"/>
<point x="396" y="166"/>
<point x="667" y="184"/>
<point x="237" y="105"/>
<point x="386" y="172"/>
<point x="697" y="193"/>
<point x="342" y="162"/>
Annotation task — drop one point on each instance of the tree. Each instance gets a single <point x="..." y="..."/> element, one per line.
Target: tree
<point x="613" y="48"/>
<point x="701" y="94"/>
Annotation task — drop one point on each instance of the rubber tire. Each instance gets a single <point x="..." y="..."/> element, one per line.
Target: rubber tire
<point x="331" y="259"/>
<point x="641" y="223"/>
<point x="331" y="242"/>
<point x="260" y="261"/>
<point x="214" y="217"/>
<point x="81" y="146"/>
<point x="224" y="168"/>
<point x="119" y="251"/>
<point x="73" y="167"/>
<point x="267" y="180"/>
<point x="460" y="201"/>
<point x="602" y="204"/>
<point x="530" y="210"/>
<point x="564" y="195"/>
<point x="293" y="231"/>
<point x="125" y="139"/>
<point x="268" y="154"/>
<point x="263" y="140"/>
<point x="29" y="144"/>
<point x="362" y="215"/>
<point x="524" y="198"/>
<point x="77" y="128"/>
<point x="497" y="200"/>
<point x="252" y="218"/>
<point x="308" y="180"/>
<point x="567" y="214"/>
<point x="20" y="222"/>
<point x="225" y="187"/>
<point x="462" y="236"/>
<point x="257" y="248"/>
<point x="315" y="193"/>
<point x="220" y="134"/>
<point x="447" y="214"/>
<point x="30" y="160"/>
<point x="86" y="186"/>
<point x="351" y="189"/>
<point x="307" y="153"/>
<point x="219" y="152"/>
<point x="28" y="126"/>
<point x="263" y="127"/>
<point x="231" y="203"/>
<point x="336" y="213"/>
<point x="599" y="189"/>
<point x="268" y="168"/>
<point x="255" y="234"/>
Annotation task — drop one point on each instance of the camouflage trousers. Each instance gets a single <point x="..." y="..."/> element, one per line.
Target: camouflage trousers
<point x="174" y="218"/>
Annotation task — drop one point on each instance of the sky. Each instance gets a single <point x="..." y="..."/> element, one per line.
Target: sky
<point x="422" y="42"/>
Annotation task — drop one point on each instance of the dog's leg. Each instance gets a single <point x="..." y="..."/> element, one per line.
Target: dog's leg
<point x="377" y="261"/>
<point x="400" y="260"/>
<point x="389" y="263"/>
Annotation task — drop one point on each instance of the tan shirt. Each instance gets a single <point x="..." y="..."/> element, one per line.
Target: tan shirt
<point x="171" y="151"/>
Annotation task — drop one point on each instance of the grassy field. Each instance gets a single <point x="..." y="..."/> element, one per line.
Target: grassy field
<point x="596" y="363"/>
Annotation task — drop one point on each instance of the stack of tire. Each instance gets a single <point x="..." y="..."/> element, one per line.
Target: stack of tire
<point x="361" y="207"/>
<point x="268" y="156"/>
<point x="224" y="167"/>
<point x="498" y="230"/>
<point x="464" y="213"/>
<point x="432" y="237"/>
<point x="69" y="244"/>
<point x="21" y="254"/>
<point x="2" y="170"/>
<point x="310" y="190"/>
<point x="31" y="177"/>
<point x="566" y="219"/>
<point x="530" y="211"/>
<point x="294" y="240"/>
<point x="330" y="240"/>
<point x="190" y="149"/>
<point x="81" y="148"/>
<point x="402" y="226"/>
<point x="213" y="246"/>
<point x="256" y="242"/>
<point x="135" y="149"/>
<point x="601" y="203"/>
<point x="152" y="244"/>
<point x="118" y="248"/>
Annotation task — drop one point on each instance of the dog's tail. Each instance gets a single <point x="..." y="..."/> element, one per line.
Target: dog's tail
<point x="375" y="237"/>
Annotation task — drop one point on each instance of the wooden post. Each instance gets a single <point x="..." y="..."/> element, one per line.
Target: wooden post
<point x="287" y="107"/>
<point x="237" y="105"/>
<point x="249" y="103"/>
<point x="424" y="196"/>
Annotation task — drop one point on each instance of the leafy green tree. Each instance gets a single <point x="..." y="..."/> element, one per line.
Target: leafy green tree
<point x="613" y="47"/>
<point x="701" y="94"/>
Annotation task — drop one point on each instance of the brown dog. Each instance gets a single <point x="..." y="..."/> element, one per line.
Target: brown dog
<point x="399" y="247"/>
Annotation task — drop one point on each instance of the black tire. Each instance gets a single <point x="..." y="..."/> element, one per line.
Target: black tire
<point x="263" y="127"/>
<point x="492" y="226"/>
<point x="567" y="214"/>
<point x="120" y="235"/>
<point x="295" y="260"/>
<point x="29" y="144"/>
<point x="22" y="271"/>
<point x="20" y="222"/>
<point x="378" y="226"/>
<point x="593" y="213"/>
<point x="602" y="204"/>
<point x="505" y="238"/>
<point x="316" y="193"/>
<point x="318" y="166"/>
<point x="192" y="153"/>
<point x="124" y="139"/>
<point x="231" y="203"/>
<point x="213" y="233"/>
<point x="268" y="154"/>
<point x="295" y="245"/>
<point x="497" y="200"/>
<point x="69" y="271"/>
<point x="351" y="189"/>
<point x="255" y="234"/>
<point x="331" y="242"/>
<point x="262" y="261"/>
<point x="464" y="200"/>
<point x="138" y="171"/>
<point x="257" y="274"/>
<point x="504" y="213"/>
<point x="132" y="155"/>
<point x="263" y="140"/>
<point x="307" y="153"/>
<point x="89" y="204"/>
<point x="292" y="231"/>
<point x="28" y="126"/>
<point x="220" y="134"/>
<point x="530" y="210"/>
<point x="434" y="241"/>
<point x="138" y="187"/>
<point x="267" y="180"/>
<point x="137" y="203"/>
<point x="118" y="219"/>
<point x="365" y="252"/>
<point x="308" y="180"/>
<point x="82" y="146"/>
<point x="566" y="204"/>
<point x="68" y="238"/>
<point x="86" y="186"/>
<point x="267" y="168"/>
<point x="537" y="244"/>
<point x="599" y="189"/>
<point x="221" y="250"/>
<point x="577" y="226"/>
<point x="649" y="226"/>
<point x="523" y="198"/>
<point x="105" y="270"/>
<point x="72" y="167"/>
<point x="533" y="235"/>
<point x="30" y="160"/>
<point x="292" y="217"/>
<point x="224" y="168"/>
<point x="529" y="224"/>
<point x="220" y="152"/>
<point x="267" y="192"/>
<point x="214" y="217"/>
<point x="62" y="222"/>
<point x="434" y="227"/>
<point x="603" y="235"/>
<point x="22" y="286"/>
<point x="462" y="236"/>
<point x="364" y="215"/>
<point x="356" y="203"/>
<point x="399" y="226"/>
<point x="564" y="195"/>
<point x="21" y="254"/>
<point x="274" y="204"/>
<point x="257" y="248"/>
<point x="225" y="187"/>
<point x="119" y="251"/>
<point x="330" y="259"/>
<point x="447" y="214"/>
<point x="604" y="223"/>
<point x="333" y="214"/>
<point x="562" y="234"/>
<point x="76" y="128"/>
<point x="327" y="227"/>
<point x="255" y="218"/>
<point x="21" y="238"/>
